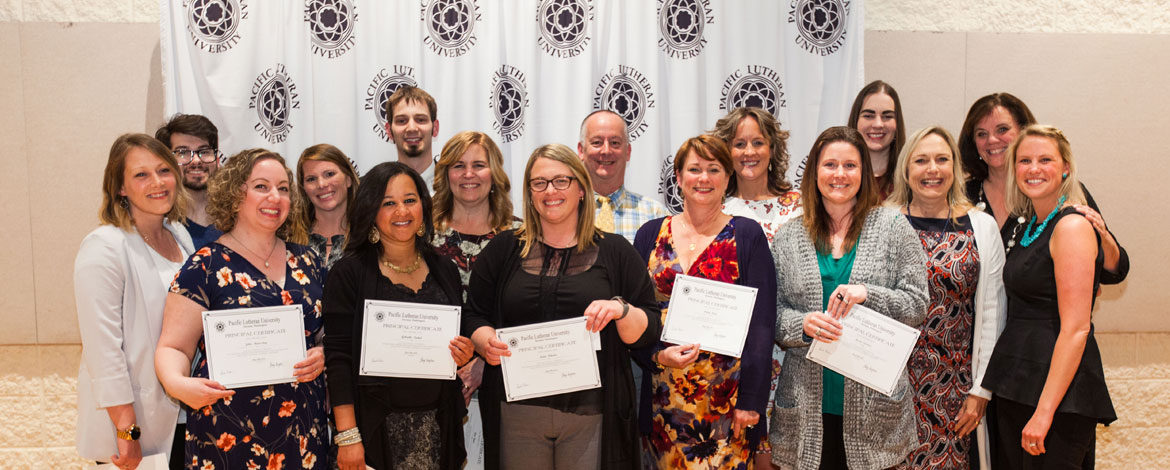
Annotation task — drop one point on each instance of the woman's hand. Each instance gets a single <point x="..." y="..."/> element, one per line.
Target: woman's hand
<point x="461" y="350"/>
<point x="313" y="365"/>
<point x="472" y="376"/>
<point x="822" y="327"/>
<point x="970" y="414"/>
<point x="1095" y="219"/>
<point x="600" y="312"/>
<point x="742" y="420"/>
<point x="678" y="356"/>
<point x="843" y="298"/>
<point x="129" y="454"/>
<point x="1032" y="439"/>
<point x="351" y="457"/>
<point x="197" y="392"/>
<point x="488" y="345"/>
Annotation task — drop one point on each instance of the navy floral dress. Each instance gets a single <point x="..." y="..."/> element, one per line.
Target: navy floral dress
<point x="272" y="427"/>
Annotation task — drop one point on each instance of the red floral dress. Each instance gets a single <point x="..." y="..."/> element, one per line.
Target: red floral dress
<point x="691" y="408"/>
<point x="272" y="427"/>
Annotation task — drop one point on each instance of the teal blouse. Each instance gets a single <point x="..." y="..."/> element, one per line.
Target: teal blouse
<point x="834" y="272"/>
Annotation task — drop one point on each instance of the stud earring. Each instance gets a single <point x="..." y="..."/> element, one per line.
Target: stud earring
<point x="375" y="237"/>
<point x="1064" y="176"/>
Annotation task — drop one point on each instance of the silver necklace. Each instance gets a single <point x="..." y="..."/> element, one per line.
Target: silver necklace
<point x="270" y="252"/>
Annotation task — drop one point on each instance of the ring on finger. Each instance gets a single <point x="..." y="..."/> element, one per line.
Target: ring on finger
<point x="819" y="330"/>
<point x="840" y="296"/>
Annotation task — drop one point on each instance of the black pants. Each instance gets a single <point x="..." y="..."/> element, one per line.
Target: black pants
<point x="832" y="443"/>
<point x="1070" y="444"/>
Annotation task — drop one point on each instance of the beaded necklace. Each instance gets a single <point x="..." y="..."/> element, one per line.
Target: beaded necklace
<point x="1028" y="238"/>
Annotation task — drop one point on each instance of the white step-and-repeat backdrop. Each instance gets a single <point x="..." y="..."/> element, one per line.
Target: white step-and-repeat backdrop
<point x="288" y="74"/>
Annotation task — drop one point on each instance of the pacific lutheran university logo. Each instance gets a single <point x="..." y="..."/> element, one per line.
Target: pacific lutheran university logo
<point x="753" y="86"/>
<point x="627" y="93"/>
<point x="563" y="24"/>
<point x="214" y="24"/>
<point x="680" y="26"/>
<point x="274" y="97"/>
<point x="378" y="92"/>
<point x="509" y="98"/>
<point x="821" y="24"/>
<point x="668" y="186"/>
<point x="450" y="26"/>
<point x="331" y="24"/>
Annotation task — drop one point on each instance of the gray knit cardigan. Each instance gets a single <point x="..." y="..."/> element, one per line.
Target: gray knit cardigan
<point x="879" y="431"/>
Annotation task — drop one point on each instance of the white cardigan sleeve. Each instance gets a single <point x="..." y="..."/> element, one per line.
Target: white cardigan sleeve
<point x="99" y="283"/>
<point x="990" y="299"/>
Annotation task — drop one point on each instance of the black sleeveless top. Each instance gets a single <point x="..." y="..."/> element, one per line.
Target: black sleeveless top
<point x="1019" y="364"/>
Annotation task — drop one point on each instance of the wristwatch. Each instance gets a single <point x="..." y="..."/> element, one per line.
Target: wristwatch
<point x="625" y="306"/>
<point x="131" y="433"/>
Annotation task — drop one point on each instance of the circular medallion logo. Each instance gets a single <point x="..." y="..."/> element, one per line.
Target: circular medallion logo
<point x="219" y="326"/>
<point x="668" y="186"/>
<point x="680" y="26"/>
<point x="331" y="24"/>
<point x="214" y="24"/>
<point x="450" y="26"/>
<point x="563" y="24"/>
<point x="378" y="92"/>
<point x="821" y="24"/>
<point x="627" y="93"/>
<point x="274" y="97"/>
<point x="509" y="98"/>
<point x="753" y="86"/>
<point x="379" y="316"/>
<point x="513" y="342"/>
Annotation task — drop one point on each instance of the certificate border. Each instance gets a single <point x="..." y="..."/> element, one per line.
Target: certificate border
<point x="533" y="326"/>
<point x="457" y="310"/>
<point x="897" y="324"/>
<point x="207" y="314"/>
<point x="716" y="284"/>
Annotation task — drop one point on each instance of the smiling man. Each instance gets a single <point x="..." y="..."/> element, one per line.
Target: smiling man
<point x="604" y="146"/>
<point x="195" y="143"/>
<point x="412" y="123"/>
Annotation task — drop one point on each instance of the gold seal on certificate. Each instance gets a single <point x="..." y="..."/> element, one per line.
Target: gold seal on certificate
<point x="872" y="350"/>
<point x="404" y="339"/>
<point x="548" y="358"/>
<point x="713" y="314"/>
<point x="254" y="346"/>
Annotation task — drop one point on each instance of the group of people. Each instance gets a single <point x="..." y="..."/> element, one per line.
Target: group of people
<point x="987" y="244"/>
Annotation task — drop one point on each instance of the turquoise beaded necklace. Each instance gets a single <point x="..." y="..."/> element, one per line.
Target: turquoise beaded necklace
<point x="1027" y="239"/>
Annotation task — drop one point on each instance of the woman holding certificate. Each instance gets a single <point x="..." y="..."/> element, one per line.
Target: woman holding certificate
<point x="328" y="183"/>
<point x="558" y="268"/>
<point x="964" y="275"/>
<point x="120" y="281"/>
<point x="256" y="263"/>
<point x="1046" y="371"/>
<point x="703" y="409"/>
<point x="391" y="422"/>
<point x="847" y="251"/>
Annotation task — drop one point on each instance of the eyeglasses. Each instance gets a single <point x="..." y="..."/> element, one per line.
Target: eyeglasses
<point x="184" y="156"/>
<point x="560" y="183"/>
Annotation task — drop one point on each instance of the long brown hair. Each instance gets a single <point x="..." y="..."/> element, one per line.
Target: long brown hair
<point x="972" y="162"/>
<point x="111" y="211"/>
<point x="499" y="200"/>
<point x="777" y="139"/>
<point x="334" y="155"/>
<point x="816" y="219"/>
<point x="873" y="88"/>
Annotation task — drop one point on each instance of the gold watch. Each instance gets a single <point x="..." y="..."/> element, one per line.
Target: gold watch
<point x="131" y="433"/>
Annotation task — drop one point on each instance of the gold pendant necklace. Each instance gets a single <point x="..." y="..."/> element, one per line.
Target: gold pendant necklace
<point x="270" y="252"/>
<point x="407" y="269"/>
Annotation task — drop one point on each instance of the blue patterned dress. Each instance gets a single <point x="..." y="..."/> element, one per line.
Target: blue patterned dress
<point x="272" y="427"/>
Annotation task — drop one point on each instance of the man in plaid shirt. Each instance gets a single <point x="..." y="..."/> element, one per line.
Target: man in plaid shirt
<point x="604" y="147"/>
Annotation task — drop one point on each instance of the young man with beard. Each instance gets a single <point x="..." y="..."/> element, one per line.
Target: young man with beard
<point x="412" y="122"/>
<point x="195" y="143"/>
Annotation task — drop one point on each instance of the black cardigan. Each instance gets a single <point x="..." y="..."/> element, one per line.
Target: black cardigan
<point x="352" y="280"/>
<point x="499" y="260"/>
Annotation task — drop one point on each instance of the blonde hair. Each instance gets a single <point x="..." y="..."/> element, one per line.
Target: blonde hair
<point x="499" y="202"/>
<point x="956" y="196"/>
<point x="226" y="190"/>
<point x="530" y="232"/>
<point x="1019" y="204"/>
<point x="111" y="211"/>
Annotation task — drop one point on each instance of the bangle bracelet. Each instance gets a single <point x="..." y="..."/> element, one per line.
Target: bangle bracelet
<point x="348" y="437"/>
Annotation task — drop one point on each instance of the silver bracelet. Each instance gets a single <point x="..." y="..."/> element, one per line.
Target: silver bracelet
<point x="348" y="437"/>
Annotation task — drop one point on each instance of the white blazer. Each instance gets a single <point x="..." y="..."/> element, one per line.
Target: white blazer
<point x="990" y="308"/>
<point x="120" y="300"/>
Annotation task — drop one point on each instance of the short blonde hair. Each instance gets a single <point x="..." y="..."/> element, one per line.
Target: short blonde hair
<point x="956" y="196"/>
<point x="111" y="211"/>
<point x="226" y="190"/>
<point x="530" y="232"/>
<point x="1019" y="204"/>
<point x="499" y="200"/>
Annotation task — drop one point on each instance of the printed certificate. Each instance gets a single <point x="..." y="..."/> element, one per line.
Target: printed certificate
<point x="254" y="346"/>
<point x="404" y="339"/>
<point x="548" y="359"/>
<point x="872" y="350"/>
<point x="713" y="314"/>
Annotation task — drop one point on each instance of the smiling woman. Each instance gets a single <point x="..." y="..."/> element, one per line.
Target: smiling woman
<point x="877" y="115"/>
<point x="328" y="183"/>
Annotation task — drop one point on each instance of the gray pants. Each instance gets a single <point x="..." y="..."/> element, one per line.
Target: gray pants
<point x="534" y="437"/>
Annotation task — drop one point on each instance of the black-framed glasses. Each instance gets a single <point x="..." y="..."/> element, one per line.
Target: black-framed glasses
<point x="207" y="155"/>
<point x="561" y="183"/>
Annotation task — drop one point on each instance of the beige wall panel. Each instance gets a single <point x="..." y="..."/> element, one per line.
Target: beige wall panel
<point x="18" y="304"/>
<point x="85" y="84"/>
<point x="916" y="62"/>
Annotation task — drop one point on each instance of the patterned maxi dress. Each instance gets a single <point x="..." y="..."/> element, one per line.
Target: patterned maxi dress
<point x="692" y="407"/>
<point x="940" y="365"/>
<point x="270" y="427"/>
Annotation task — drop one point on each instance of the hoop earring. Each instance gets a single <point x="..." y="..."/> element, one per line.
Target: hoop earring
<point x="420" y="231"/>
<point x="375" y="237"/>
